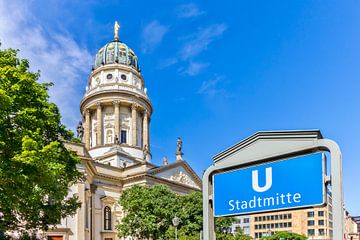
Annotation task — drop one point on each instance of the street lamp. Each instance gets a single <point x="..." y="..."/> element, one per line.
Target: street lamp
<point x="176" y="222"/>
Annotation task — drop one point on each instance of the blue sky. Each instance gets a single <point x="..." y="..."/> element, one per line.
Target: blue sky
<point x="216" y="72"/>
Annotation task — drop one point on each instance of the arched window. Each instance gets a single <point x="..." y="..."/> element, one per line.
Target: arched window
<point x="107" y="218"/>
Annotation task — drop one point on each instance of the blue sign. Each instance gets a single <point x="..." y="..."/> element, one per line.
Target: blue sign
<point x="290" y="183"/>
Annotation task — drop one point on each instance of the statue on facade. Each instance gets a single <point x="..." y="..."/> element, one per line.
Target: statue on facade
<point x="165" y="161"/>
<point x="80" y="131"/>
<point x="179" y="145"/>
<point x="179" y="153"/>
<point x="116" y="139"/>
<point x="145" y="151"/>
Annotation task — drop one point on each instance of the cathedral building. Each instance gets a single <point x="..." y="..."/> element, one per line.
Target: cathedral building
<point x="116" y="149"/>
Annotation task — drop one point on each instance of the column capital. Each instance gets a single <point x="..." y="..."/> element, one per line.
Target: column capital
<point x="134" y="106"/>
<point x="116" y="102"/>
<point x="98" y="104"/>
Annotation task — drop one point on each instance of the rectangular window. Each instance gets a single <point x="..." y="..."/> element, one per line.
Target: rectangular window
<point x="321" y="232"/>
<point x="276" y="217"/>
<point x="310" y="214"/>
<point x="321" y="222"/>
<point x="246" y="220"/>
<point x="321" y="213"/>
<point x="289" y="224"/>
<point x="123" y="136"/>
<point x="289" y="216"/>
<point x="311" y="223"/>
<point x="311" y="232"/>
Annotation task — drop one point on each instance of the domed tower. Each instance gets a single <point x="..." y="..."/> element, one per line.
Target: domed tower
<point x="115" y="109"/>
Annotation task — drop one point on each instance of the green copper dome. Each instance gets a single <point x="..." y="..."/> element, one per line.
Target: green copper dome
<point x="116" y="52"/>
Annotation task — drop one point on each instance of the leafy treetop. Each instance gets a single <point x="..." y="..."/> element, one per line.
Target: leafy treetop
<point x="36" y="170"/>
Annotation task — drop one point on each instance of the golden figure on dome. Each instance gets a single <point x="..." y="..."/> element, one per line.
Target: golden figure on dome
<point x="116" y="31"/>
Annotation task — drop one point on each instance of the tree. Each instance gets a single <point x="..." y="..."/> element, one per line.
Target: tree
<point x="148" y="212"/>
<point x="190" y="213"/>
<point x="285" y="236"/>
<point x="36" y="170"/>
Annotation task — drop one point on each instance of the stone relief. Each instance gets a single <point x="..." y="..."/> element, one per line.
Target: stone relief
<point x="182" y="178"/>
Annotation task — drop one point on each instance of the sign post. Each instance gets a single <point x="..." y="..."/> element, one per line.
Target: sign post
<point x="271" y="171"/>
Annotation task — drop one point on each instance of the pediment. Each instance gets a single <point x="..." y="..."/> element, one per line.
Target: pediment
<point x="179" y="172"/>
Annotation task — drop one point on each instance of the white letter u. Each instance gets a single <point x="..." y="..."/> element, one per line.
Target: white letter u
<point x="255" y="180"/>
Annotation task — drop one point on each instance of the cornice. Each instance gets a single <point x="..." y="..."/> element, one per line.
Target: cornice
<point x="130" y="98"/>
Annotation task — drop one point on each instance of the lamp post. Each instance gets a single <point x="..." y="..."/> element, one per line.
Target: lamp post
<point x="176" y="222"/>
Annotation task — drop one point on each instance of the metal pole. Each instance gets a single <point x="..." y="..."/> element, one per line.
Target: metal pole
<point x="176" y="233"/>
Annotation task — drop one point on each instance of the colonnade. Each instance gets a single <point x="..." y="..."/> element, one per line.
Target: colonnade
<point x="116" y="104"/>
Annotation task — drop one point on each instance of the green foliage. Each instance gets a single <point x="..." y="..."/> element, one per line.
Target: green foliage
<point x="149" y="212"/>
<point x="36" y="170"/>
<point x="285" y="236"/>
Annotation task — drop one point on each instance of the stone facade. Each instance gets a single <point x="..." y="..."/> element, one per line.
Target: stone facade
<point x="115" y="149"/>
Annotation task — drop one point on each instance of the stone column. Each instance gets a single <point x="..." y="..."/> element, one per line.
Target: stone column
<point x="81" y="211"/>
<point x="117" y="118"/>
<point x="87" y="129"/>
<point x="99" y="124"/>
<point x="146" y="129"/>
<point x="93" y="188"/>
<point x="133" y="124"/>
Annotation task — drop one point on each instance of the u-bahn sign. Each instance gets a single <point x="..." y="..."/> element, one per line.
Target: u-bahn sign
<point x="273" y="171"/>
<point x="290" y="183"/>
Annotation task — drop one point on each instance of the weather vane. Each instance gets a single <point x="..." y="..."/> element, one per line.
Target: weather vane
<point x="116" y="30"/>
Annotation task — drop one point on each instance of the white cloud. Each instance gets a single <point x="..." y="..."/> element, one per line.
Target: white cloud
<point x="188" y="11"/>
<point x="212" y="87"/>
<point x="152" y="35"/>
<point x="167" y="62"/>
<point x="57" y="55"/>
<point x="201" y="40"/>
<point x="194" y="68"/>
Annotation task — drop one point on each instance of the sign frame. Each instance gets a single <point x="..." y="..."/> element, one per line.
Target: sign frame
<point x="265" y="147"/>
<point x="324" y="192"/>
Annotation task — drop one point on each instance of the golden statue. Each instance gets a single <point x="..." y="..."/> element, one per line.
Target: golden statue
<point x="116" y="31"/>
